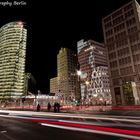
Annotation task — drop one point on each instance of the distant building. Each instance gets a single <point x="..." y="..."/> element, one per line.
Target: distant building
<point x="54" y="85"/>
<point x="30" y="84"/>
<point x="68" y="84"/>
<point x="122" y="38"/>
<point x="92" y="57"/>
<point x="12" y="59"/>
<point x="68" y="88"/>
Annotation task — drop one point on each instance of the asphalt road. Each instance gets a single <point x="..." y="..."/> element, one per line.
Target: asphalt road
<point x="14" y="129"/>
<point x="55" y="126"/>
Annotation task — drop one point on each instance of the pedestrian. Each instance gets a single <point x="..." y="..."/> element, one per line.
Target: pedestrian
<point x="49" y="106"/>
<point x="55" y="107"/>
<point x="58" y="107"/>
<point x="38" y="107"/>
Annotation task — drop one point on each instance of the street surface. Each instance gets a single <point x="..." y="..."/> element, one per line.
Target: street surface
<point x="29" y="125"/>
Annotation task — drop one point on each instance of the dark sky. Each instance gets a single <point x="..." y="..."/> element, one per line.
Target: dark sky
<point x="56" y="24"/>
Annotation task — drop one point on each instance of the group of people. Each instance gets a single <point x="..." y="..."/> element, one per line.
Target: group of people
<point x="56" y="107"/>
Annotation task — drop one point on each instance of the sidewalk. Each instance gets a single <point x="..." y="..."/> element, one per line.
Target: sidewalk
<point x="95" y="110"/>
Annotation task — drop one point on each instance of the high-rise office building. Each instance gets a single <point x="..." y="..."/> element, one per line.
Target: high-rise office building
<point x="67" y="66"/>
<point x="12" y="59"/>
<point x="121" y="31"/>
<point x="92" y="57"/>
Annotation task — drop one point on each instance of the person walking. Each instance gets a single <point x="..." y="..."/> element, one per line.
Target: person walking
<point x="49" y="106"/>
<point x="55" y="107"/>
<point x="38" y="107"/>
<point x="58" y="107"/>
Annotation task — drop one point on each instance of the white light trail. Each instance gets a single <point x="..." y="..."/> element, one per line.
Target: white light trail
<point x="92" y="131"/>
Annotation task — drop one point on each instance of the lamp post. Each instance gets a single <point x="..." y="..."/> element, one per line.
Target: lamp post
<point x="79" y="74"/>
<point x="87" y="94"/>
<point x="78" y="85"/>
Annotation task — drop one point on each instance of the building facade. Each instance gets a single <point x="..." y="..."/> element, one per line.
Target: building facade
<point x="30" y="84"/>
<point x="54" y="85"/>
<point x="68" y="83"/>
<point x="12" y="59"/>
<point x="121" y="31"/>
<point x="92" y="57"/>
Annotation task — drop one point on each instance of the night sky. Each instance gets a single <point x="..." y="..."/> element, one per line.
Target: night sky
<point x="56" y="24"/>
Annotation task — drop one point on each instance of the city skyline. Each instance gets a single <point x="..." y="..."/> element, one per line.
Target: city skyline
<point x="63" y="25"/>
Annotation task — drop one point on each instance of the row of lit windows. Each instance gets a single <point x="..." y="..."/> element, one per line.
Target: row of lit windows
<point x="9" y="31"/>
<point x="9" y="35"/>
<point x="12" y="50"/>
<point x="10" y="38"/>
<point x="13" y="31"/>
<point x="11" y="59"/>
<point x="5" y="48"/>
<point x="10" y="91"/>
<point x="7" y="55"/>
<point x="7" y="67"/>
<point x="14" y="40"/>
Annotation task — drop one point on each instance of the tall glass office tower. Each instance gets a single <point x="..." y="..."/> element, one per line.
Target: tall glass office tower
<point x="12" y="59"/>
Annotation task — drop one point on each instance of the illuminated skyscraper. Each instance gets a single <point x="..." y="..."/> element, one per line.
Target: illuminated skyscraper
<point x="12" y="59"/>
<point x="92" y="57"/>
<point x="68" y="84"/>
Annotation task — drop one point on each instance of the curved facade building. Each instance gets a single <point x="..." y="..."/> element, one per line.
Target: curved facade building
<point x="12" y="59"/>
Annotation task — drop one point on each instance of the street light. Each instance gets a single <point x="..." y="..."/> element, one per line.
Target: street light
<point x="87" y="94"/>
<point x="87" y="83"/>
<point x="78" y="84"/>
<point x="79" y="74"/>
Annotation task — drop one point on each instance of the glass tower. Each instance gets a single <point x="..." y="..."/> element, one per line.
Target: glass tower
<point x="12" y="59"/>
